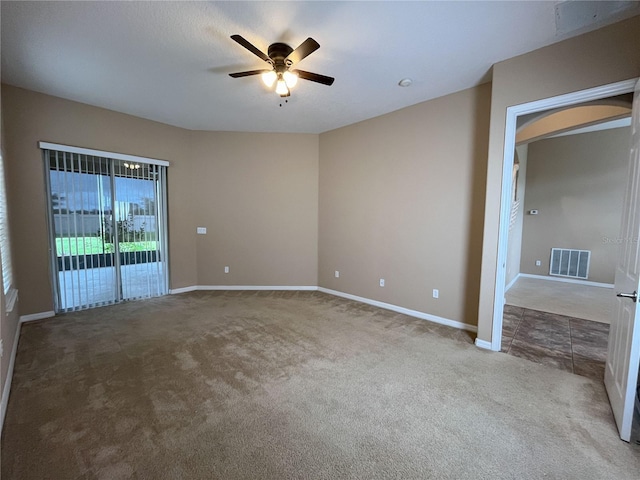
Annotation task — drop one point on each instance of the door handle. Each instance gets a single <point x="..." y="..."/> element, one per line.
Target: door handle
<point x="633" y="296"/>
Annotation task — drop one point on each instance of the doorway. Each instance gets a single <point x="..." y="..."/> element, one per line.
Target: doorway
<point x="512" y="115"/>
<point x="569" y="192"/>
<point x="621" y="371"/>
<point x="107" y="224"/>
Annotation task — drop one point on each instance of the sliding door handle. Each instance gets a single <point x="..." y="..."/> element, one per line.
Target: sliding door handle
<point x="633" y="296"/>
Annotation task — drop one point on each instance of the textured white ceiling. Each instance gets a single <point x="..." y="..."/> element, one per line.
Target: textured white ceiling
<point x="169" y="61"/>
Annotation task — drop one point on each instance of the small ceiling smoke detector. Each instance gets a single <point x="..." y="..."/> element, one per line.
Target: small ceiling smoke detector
<point x="405" y="82"/>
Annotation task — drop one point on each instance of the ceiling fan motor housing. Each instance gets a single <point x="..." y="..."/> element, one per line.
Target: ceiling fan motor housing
<point x="278" y="52"/>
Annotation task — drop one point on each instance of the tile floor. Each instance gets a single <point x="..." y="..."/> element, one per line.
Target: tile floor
<point x="572" y="344"/>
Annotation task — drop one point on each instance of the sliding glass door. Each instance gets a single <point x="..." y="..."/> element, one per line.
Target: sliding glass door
<point x="107" y="229"/>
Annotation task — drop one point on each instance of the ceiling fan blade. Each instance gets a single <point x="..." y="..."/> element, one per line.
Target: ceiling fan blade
<point x="314" y="77"/>
<point x="249" y="46"/>
<point x="305" y="49"/>
<point x="248" y="73"/>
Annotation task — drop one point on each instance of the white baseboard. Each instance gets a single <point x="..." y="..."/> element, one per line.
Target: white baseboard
<point x="6" y="390"/>
<point x="512" y="283"/>
<point x="257" y="287"/>
<point x="568" y="280"/>
<point x="483" y="344"/>
<point x="375" y="303"/>
<point x="175" y="291"/>
<point x="242" y="287"/>
<point x="406" y="311"/>
<point x="37" y="316"/>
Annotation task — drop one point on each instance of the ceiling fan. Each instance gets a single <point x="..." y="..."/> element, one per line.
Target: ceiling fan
<point x="281" y="57"/>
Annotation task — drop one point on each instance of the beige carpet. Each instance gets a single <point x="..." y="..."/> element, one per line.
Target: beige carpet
<point x="569" y="299"/>
<point x="292" y="385"/>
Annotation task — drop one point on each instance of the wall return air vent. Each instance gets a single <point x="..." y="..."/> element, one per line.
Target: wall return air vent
<point x="566" y="262"/>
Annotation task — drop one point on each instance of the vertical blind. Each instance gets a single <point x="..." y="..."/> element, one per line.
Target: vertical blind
<point x="5" y="243"/>
<point x="107" y="223"/>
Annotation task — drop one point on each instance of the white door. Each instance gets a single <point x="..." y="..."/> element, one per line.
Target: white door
<point x="623" y="357"/>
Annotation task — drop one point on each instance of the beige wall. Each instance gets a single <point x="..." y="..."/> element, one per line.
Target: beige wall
<point x="401" y="198"/>
<point x="267" y="230"/>
<point x="257" y="194"/>
<point x="597" y="58"/>
<point x="577" y="184"/>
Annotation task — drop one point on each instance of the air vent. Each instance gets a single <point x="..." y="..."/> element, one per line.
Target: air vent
<point x="566" y="262"/>
<point x="574" y="16"/>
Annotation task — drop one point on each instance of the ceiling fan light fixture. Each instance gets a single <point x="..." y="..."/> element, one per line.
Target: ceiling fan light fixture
<point x="290" y="79"/>
<point x="281" y="88"/>
<point x="269" y="78"/>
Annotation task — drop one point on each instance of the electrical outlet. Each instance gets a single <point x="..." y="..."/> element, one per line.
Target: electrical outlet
<point x="337" y="274"/>
<point x="382" y="282"/>
<point x="201" y="230"/>
<point x="538" y="263"/>
<point x="436" y="293"/>
<point x="226" y="269"/>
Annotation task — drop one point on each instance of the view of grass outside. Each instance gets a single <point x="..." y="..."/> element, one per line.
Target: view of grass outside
<point x="92" y="245"/>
